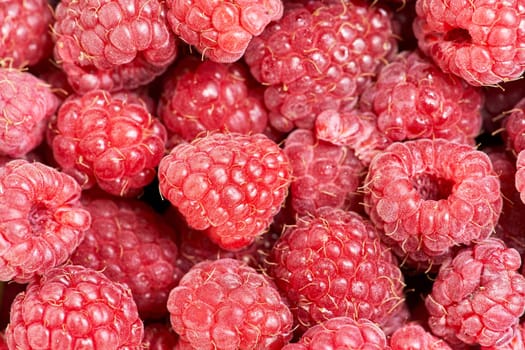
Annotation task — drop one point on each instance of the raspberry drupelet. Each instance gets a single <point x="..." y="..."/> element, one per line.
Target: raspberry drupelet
<point x="413" y="336"/>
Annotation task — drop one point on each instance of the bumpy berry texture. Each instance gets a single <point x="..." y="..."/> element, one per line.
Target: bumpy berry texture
<point x="520" y="175"/>
<point x="129" y="242"/>
<point x="159" y="336"/>
<point x="73" y="307"/>
<point x="428" y="196"/>
<point x="318" y="56"/>
<point x="26" y="104"/>
<point x="200" y="96"/>
<point x="478" y="296"/>
<point x="514" y="127"/>
<point x="42" y="220"/>
<point x="516" y="343"/>
<point x="333" y="264"/>
<point x="229" y="184"/>
<point x="112" y="45"/>
<point x="225" y="304"/>
<point x="221" y="31"/>
<point x="413" y="336"/>
<point x="108" y="139"/>
<point x="480" y="41"/>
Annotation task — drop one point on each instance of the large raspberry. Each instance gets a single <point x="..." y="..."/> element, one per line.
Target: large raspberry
<point x="74" y="307"/>
<point x="229" y="184"/>
<point x="111" y="44"/>
<point x="481" y="41"/>
<point x="225" y="304"/>
<point x="413" y="336"/>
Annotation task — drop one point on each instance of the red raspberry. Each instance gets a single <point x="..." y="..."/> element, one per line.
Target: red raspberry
<point x="333" y="264"/>
<point x="427" y="196"/>
<point x="129" y="242"/>
<point x="230" y="185"/>
<point x="516" y="343"/>
<point x="319" y="56"/>
<point x="108" y="139"/>
<point x="221" y="30"/>
<point x="24" y="27"/>
<point x="74" y="307"/>
<point x="499" y="101"/>
<point x="412" y="336"/>
<point x="3" y="344"/>
<point x="42" y="220"/>
<point x="478" y="296"/>
<point x="478" y="40"/>
<point x="520" y="175"/>
<point x="112" y="45"/>
<point x="159" y="336"/>
<point x="26" y="104"/>
<point x="225" y="304"/>
<point x="200" y="96"/>
<point x="514" y="127"/>
<point x="342" y="333"/>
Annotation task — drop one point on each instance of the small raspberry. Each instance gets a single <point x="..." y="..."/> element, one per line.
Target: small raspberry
<point x="412" y="336"/>
<point x="225" y="304"/>
<point x="74" y="307"/>
<point x="108" y="139"/>
<point x="230" y="185"/>
<point x="478" y="40"/>
<point x="41" y="219"/>
<point x="159" y="336"/>
<point x="112" y="45"/>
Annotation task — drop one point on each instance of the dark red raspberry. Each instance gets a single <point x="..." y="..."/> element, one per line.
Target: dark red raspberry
<point x="221" y="30"/>
<point x="499" y="101"/>
<point x="41" y="219"/>
<point x="159" y="336"/>
<point x="520" y="175"/>
<point x="74" y="307"/>
<point x="3" y="344"/>
<point x="107" y="139"/>
<point x="200" y="96"/>
<point x="413" y="336"/>
<point x="478" y="40"/>
<point x="225" y="304"/>
<point x="26" y="104"/>
<point x="514" y="127"/>
<point x="319" y="56"/>
<point x="333" y="264"/>
<point x="428" y="196"/>
<point x="229" y="184"/>
<point x="112" y="45"/>
<point x="478" y="296"/>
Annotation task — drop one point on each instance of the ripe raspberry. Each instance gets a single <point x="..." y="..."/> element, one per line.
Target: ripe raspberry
<point x="222" y="30"/>
<point x="129" y="242"/>
<point x="514" y="127"/>
<point x="112" y="45"/>
<point x="480" y="41"/>
<point x="520" y="175"/>
<point x="200" y="96"/>
<point x="24" y="27"/>
<point x="159" y="336"/>
<point x="319" y="56"/>
<point x="225" y="304"/>
<point x="42" y="220"/>
<point x="427" y="196"/>
<point x="230" y="185"/>
<point x="478" y="296"/>
<point x="412" y="98"/>
<point x="499" y="101"/>
<point x="3" y="344"/>
<point x="516" y="343"/>
<point x="108" y="139"/>
<point x="333" y="264"/>
<point x="412" y="336"/>
<point x="342" y="333"/>
<point x="73" y="307"/>
<point x="26" y="104"/>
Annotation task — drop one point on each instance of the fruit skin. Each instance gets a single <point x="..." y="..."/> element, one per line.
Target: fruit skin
<point x="478" y="296"/>
<point x="112" y="45"/>
<point x="413" y="336"/>
<point x="73" y="307"/>
<point x="229" y="184"/>
<point x="42" y="219"/>
<point x="225" y="304"/>
<point x="480" y="41"/>
<point x="108" y="139"/>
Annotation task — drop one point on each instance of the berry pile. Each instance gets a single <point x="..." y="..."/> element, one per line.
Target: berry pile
<point x="262" y="174"/>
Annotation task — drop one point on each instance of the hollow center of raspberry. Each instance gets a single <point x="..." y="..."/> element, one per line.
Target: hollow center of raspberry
<point x="458" y="35"/>
<point x="432" y="187"/>
<point x="39" y="218"/>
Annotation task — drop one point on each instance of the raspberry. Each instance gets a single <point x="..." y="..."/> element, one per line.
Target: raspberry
<point x="129" y="242"/>
<point x="159" y="336"/>
<point x="225" y="304"/>
<point x="412" y="336"/>
<point x="108" y="139"/>
<point x="319" y="56"/>
<point x="42" y="220"/>
<point x="73" y="307"/>
<point x="200" y="96"/>
<point x="514" y="127"/>
<point x="342" y="333"/>
<point x="3" y="344"/>
<point x="221" y="31"/>
<point x="333" y="264"/>
<point x="520" y="175"/>
<point x="427" y="196"/>
<point x="112" y="45"/>
<point x="230" y="185"/>
<point x="516" y="343"/>
<point x="480" y="41"/>
<point x="499" y="101"/>
<point x="26" y="104"/>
